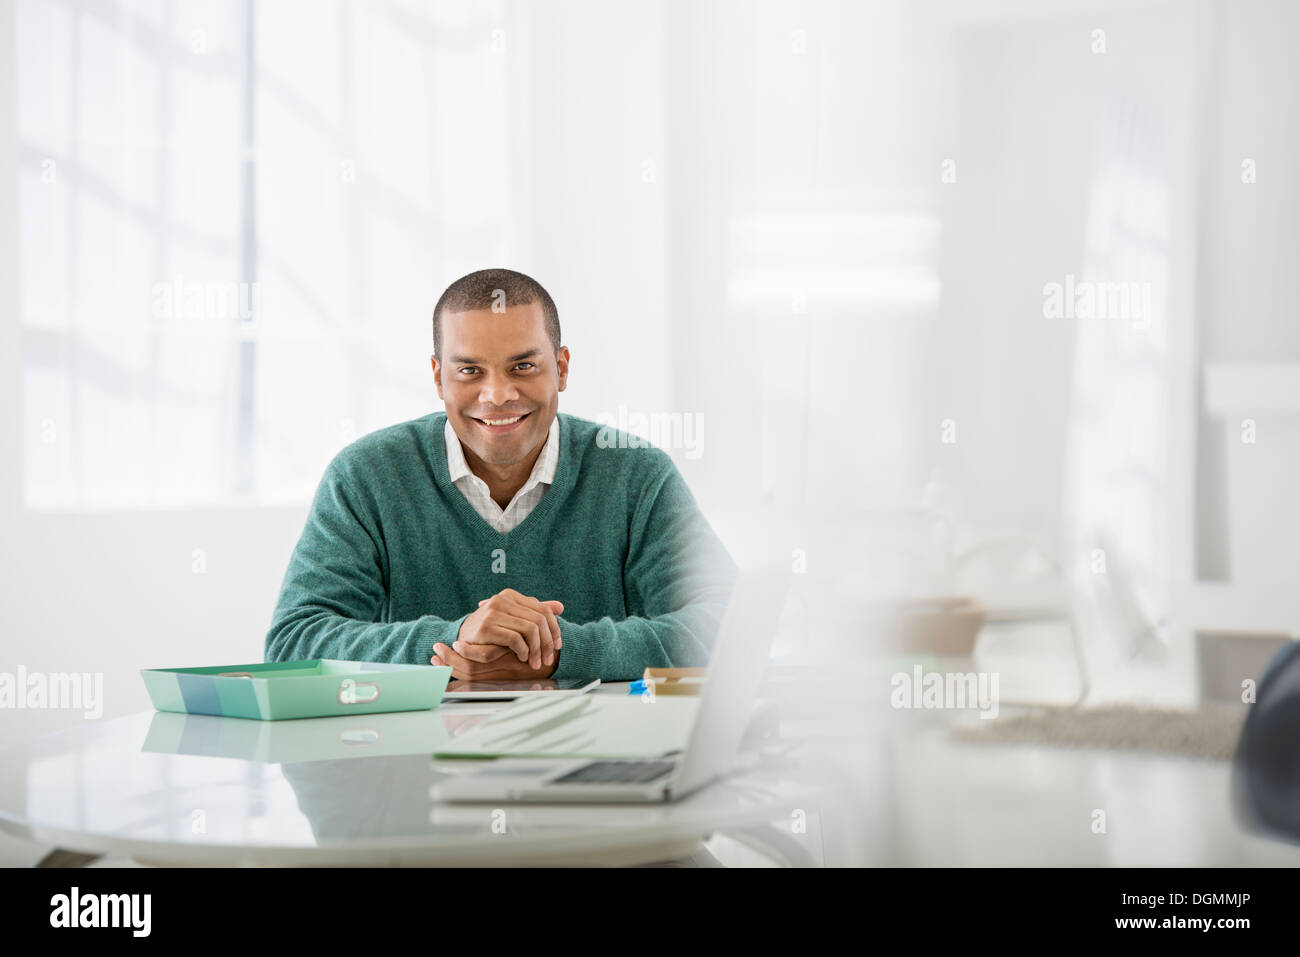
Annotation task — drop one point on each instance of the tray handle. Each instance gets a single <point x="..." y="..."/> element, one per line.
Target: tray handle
<point x="348" y="692"/>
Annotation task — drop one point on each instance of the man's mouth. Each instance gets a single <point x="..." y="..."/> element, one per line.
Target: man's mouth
<point x="501" y="423"/>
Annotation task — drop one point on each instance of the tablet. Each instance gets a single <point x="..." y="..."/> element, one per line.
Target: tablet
<point x="466" y="689"/>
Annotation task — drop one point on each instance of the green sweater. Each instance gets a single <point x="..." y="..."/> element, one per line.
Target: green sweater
<point x="393" y="558"/>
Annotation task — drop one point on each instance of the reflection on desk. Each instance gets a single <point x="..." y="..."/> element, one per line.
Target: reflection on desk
<point x="219" y="797"/>
<point x="309" y="739"/>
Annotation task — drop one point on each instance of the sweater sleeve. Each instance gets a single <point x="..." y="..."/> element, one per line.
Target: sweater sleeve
<point x="335" y="590"/>
<point x="678" y="572"/>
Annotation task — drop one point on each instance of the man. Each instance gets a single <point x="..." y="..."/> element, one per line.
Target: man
<point x="503" y="538"/>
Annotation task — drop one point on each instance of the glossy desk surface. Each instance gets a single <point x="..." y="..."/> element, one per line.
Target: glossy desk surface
<point x="166" y="788"/>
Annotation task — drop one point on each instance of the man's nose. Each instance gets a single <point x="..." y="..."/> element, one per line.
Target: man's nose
<point x="497" y="390"/>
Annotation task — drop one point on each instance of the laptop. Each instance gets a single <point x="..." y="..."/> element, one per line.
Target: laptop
<point x="725" y="705"/>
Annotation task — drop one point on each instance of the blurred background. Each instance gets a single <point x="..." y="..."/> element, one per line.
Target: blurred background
<point x="988" y="300"/>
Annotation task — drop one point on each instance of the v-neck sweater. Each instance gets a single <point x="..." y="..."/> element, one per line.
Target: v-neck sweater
<point x="393" y="558"/>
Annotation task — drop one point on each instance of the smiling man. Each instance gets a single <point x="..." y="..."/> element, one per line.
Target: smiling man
<point x="503" y="537"/>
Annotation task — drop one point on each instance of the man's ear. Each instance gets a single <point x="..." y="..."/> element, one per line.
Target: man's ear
<point x="562" y="364"/>
<point x="437" y="374"/>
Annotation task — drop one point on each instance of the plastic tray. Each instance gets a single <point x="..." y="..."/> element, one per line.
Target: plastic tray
<point x="275" y="691"/>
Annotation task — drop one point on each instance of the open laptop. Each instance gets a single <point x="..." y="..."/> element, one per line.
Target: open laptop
<point x="726" y="704"/>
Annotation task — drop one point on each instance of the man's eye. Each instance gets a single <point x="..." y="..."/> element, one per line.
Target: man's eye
<point x="466" y="370"/>
<point x="523" y="364"/>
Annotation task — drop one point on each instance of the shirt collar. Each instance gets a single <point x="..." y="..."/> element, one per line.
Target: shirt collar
<point x="543" y="469"/>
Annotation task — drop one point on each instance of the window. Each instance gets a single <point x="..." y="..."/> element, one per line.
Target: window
<point x="235" y="220"/>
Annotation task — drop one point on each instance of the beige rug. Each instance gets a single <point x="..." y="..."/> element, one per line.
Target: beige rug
<point x="1209" y="733"/>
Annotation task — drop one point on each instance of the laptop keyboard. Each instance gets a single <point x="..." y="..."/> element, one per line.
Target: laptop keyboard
<point x="617" y="772"/>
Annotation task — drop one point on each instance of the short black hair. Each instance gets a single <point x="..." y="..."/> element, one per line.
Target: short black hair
<point x="490" y="287"/>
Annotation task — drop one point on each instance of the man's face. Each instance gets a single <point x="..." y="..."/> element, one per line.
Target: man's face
<point x="495" y="367"/>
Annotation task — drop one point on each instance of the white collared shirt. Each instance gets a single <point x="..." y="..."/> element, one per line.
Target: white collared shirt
<point x="476" y="490"/>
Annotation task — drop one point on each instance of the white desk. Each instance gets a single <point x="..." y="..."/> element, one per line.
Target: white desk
<point x="895" y="789"/>
<point x="964" y="805"/>
<point x="899" y="789"/>
<point x="197" y="790"/>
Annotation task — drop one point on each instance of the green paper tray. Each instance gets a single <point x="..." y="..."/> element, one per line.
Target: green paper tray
<point x="275" y="691"/>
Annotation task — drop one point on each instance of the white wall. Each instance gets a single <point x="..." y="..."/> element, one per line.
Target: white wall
<point x="822" y="423"/>
<point x="116" y="591"/>
<point x="1249" y="288"/>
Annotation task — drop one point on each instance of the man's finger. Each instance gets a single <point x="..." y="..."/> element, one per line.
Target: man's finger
<point x="499" y="629"/>
<point x="551" y="611"/>
<point x="552" y="626"/>
<point x="551" y="605"/>
<point x="511" y="610"/>
<point x="541" y="613"/>
<point x="460" y="667"/>
<point x="474" y="651"/>
<point x="530" y="624"/>
<point x="514" y="628"/>
<point x="536" y="612"/>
